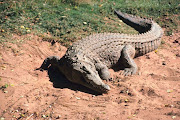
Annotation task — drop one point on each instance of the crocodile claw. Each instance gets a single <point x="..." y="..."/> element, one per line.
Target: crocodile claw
<point x="129" y="71"/>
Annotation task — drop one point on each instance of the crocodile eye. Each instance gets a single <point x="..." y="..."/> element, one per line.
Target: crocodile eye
<point x="85" y="69"/>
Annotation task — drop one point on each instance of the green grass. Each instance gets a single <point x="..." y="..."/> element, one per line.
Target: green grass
<point x="70" y="20"/>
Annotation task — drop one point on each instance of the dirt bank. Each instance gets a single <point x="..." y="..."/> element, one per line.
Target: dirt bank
<point x="152" y="94"/>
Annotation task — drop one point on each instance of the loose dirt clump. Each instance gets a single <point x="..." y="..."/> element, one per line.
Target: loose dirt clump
<point x="27" y="93"/>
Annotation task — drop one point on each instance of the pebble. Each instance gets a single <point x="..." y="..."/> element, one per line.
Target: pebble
<point x="5" y="91"/>
<point x="78" y="98"/>
<point x="58" y="117"/>
<point x="163" y="63"/>
<point x="44" y="116"/>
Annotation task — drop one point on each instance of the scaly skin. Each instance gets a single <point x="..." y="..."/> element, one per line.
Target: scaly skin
<point x="87" y="61"/>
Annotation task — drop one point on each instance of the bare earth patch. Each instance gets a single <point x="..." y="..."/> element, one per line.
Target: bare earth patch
<point x="26" y="93"/>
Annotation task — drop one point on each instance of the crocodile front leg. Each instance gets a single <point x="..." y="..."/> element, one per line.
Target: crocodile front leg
<point x="127" y="55"/>
<point x="52" y="60"/>
<point x="93" y="80"/>
<point x="103" y="71"/>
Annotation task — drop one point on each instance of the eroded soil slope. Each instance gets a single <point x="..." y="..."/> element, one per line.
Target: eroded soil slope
<point x="26" y="93"/>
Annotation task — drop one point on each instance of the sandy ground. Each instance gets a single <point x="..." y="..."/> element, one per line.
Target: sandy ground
<point x="26" y="93"/>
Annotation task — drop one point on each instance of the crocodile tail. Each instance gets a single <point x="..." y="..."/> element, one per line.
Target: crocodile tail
<point x="140" y="24"/>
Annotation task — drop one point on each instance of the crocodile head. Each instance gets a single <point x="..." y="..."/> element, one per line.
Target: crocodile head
<point x="83" y="71"/>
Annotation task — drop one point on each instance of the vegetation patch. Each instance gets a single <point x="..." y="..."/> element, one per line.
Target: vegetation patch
<point x="70" y="20"/>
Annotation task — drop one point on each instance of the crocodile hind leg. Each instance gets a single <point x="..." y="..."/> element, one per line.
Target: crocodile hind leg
<point x="127" y="55"/>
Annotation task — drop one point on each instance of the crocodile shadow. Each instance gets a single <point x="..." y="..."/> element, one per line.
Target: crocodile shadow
<point x="60" y="81"/>
<point x="120" y="65"/>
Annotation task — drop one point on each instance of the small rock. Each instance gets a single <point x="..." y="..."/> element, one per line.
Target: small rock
<point x="169" y="91"/>
<point x="163" y="63"/>
<point x="85" y="23"/>
<point x="120" y="21"/>
<point x="126" y="100"/>
<point x="78" y="98"/>
<point x="44" y="116"/>
<point x="16" y="110"/>
<point x="58" y="117"/>
<point x="5" y="91"/>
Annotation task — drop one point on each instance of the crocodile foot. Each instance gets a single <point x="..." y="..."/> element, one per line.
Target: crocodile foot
<point x="129" y="71"/>
<point x="128" y="53"/>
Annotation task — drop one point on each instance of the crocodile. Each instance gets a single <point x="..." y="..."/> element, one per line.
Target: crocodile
<point x="87" y="61"/>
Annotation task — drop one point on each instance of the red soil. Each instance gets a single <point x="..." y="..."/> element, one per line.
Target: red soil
<point x="152" y="94"/>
